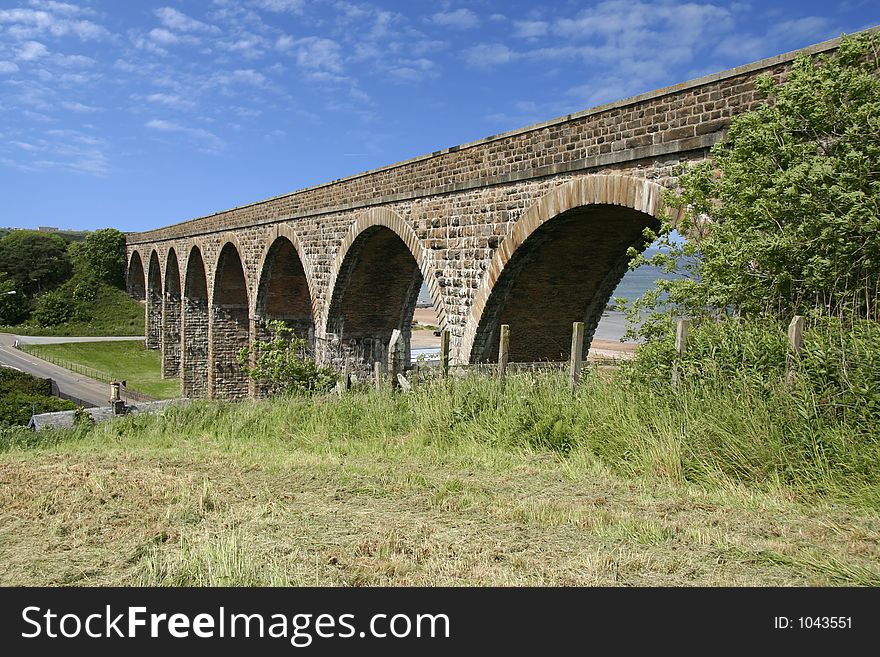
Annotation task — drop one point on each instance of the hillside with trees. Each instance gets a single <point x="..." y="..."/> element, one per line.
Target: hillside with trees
<point x="50" y="285"/>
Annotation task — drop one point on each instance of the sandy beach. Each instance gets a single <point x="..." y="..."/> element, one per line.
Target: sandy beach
<point x="426" y="322"/>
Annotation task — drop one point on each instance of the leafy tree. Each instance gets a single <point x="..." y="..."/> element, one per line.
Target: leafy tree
<point x="282" y="363"/>
<point x="784" y="217"/>
<point x="101" y="256"/>
<point x="13" y="304"/>
<point x="35" y="261"/>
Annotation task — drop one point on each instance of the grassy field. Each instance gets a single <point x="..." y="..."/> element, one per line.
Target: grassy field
<point x="112" y="312"/>
<point x="127" y="360"/>
<point x="456" y="483"/>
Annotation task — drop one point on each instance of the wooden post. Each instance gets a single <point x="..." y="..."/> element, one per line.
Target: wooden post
<point x="681" y="335"/>
<point x="503" y="351"/>
<point x="394" y="364"/>
<point x="377" y="375"/>
<point x="346" y="373"/>
<point x="577" y="354"/>
<point x="444" y="352"/>
<point x="796" y="346"/>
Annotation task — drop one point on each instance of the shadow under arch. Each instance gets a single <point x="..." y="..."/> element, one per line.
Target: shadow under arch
<point x="171" y="317"/>
<point x="559" y="264"/>
<point x="285" y="288"/>
<point x="154" y="303"/>
<point x="230" y="326"/>
<point x="136" y="280"/>
<point x="373" y="287"/>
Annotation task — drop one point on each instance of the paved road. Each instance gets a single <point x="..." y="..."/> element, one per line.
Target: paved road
<point x="70" y="383"/>
<point x="61" y="339"/>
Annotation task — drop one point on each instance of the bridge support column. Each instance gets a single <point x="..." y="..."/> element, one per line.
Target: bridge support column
<point x="258" y="332"/>
<point x="194" y="348"/>
<point x="153" y="320"/>
<point x="230" y="332"/>
<point x="171" y="318"/>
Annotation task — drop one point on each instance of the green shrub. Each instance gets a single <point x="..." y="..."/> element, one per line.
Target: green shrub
<point x="282" y="363"/>
<point x="22" y="394"/>
<point x="54" y="308"/>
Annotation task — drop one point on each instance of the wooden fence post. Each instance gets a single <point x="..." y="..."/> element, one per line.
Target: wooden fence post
<point x="577" y="353"/>
<point x="444" y="352"/>
<point x="394" y="359"/>
<point x="346" y="373"/>
<point x="503" y="351"/>
<point x="796" y="346"/>
<point x="377" y="375"/>
<point x="681" y="335"/>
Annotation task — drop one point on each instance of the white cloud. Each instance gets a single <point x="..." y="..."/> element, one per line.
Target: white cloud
<point x="249" y="45"/>
<point x="628" y="24"/>
<point x="8" y="67"/>
<point x="460" y="19"/>
<point x="64" y="150"/>
<point x="603" y="91"/>
<point x="412" y="70"/>
<point x="79" y="107"/>
<point x="164" y="37"/>
<point x="177" y="20"/>
<point x="488" y="55"/>
<point x="61" y="7"/>
<point x="30" y="23"/>
<point x="28" y="147"/>
<point x="146" y="43"/>
<point x="171" y="100"/>
<point x="314" y="53"/>
<point x="241" y="76"/>
<point x="73" y="61"/>
<point x="279" y="6"/>
<point x="126" y="66"/>
<point x="530" y="29"/>
<point x="781" y="35"/>
<point x="208" y="140"/>
<point x="31" y="50"/>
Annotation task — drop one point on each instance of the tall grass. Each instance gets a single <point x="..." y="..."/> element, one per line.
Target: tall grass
<point x="714" y="433"/>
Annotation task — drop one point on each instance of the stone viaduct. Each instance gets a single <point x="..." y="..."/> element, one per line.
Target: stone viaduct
<point x="529" y="228"/>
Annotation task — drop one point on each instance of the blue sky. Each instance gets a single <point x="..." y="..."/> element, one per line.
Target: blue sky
<point x="140" y="114"/>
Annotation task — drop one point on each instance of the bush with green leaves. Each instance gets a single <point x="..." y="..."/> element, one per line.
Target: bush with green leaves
<point x="282" y="364"/>
<point x="53" y="308"/>
<point x="22" y="394"/>
<point x="784" y="216"/>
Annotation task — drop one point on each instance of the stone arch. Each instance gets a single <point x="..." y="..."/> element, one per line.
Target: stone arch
<point x="559" y="263"/>
<point x="171" y="317"/>
<point x="285" y="284"/>
<point x="380" y="252"/>
<point x="154" y="302"/>
<point x="136" y="280"/>
<point x="230" y="326"/>
<point x="196" y="320"/>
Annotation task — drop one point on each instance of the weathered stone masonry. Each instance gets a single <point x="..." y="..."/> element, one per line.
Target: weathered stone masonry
<point x="529" y="228"/>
